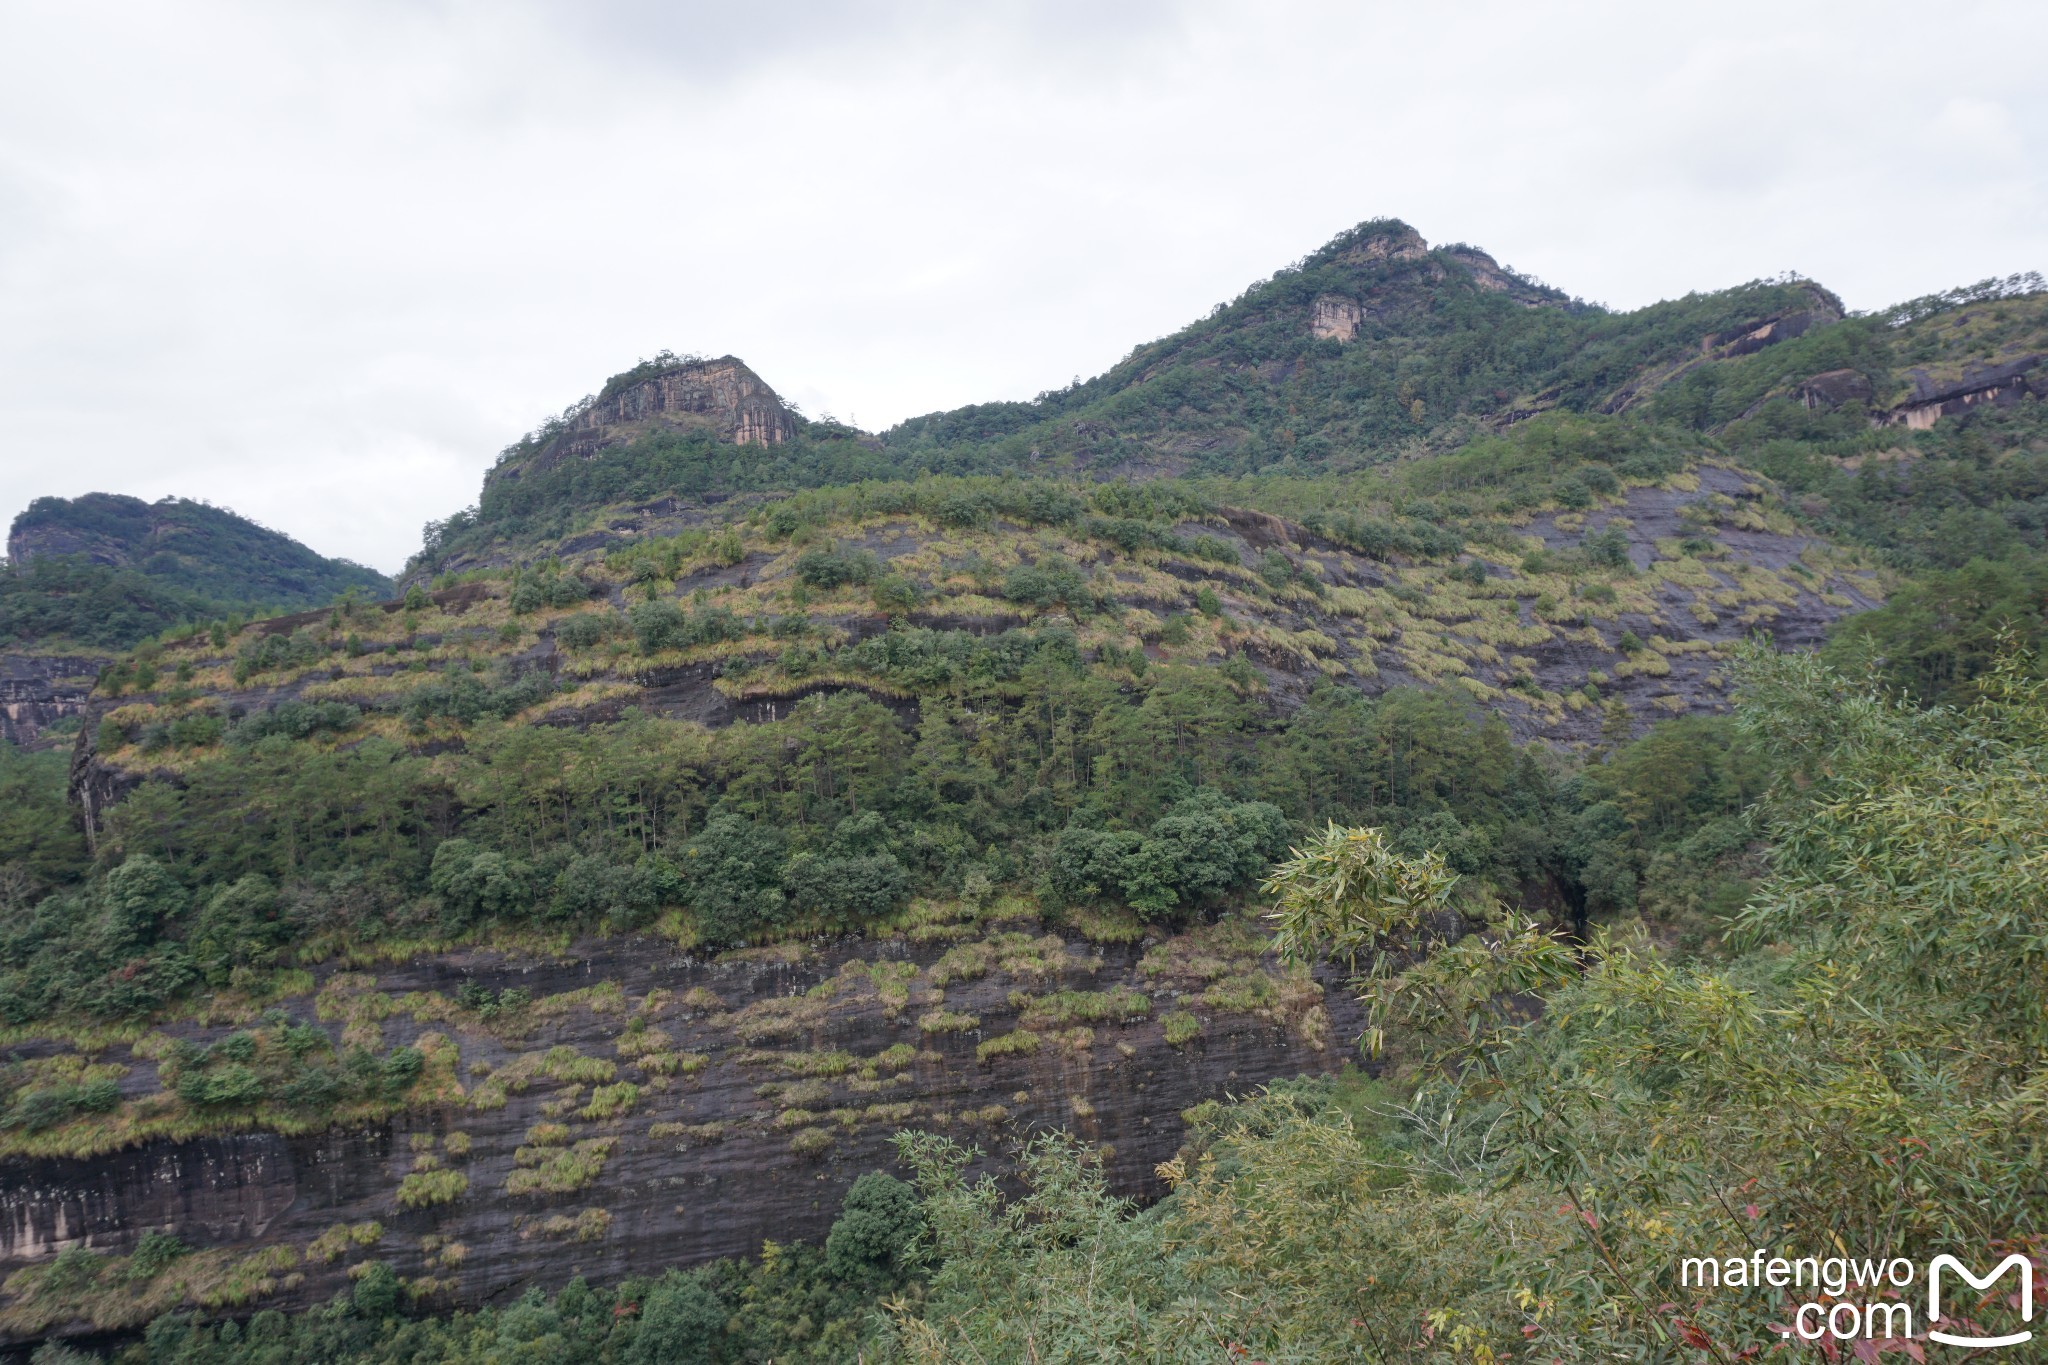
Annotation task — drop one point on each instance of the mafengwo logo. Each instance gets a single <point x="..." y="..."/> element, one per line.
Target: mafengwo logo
<point x="1956" y="1296"/>
<point x="2014" y="1262"/>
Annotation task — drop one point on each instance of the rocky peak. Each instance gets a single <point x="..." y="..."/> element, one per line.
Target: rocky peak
<point x="1384" y="268"/>
<point x="1383" y="239"/>
<point x="721" y="395"/>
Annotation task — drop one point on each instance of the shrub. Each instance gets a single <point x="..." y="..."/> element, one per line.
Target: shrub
<point x="894" y="595"/>
<point x="1204" y="846"/>
<point x="240" y="926"/>
<point x="154" y="1254"/>
<point x="474" y="882"/>
<point x="422" y="1189"/>
<point x="812" y="1142"/>
<point x="463" y="696"/>
<point x="48" y="1106"/>
<point x="234" y="1085"/>
<point x="663" y="624"/>
<point x="377" y="1292"/>
<point x="1049" y="583"/>
<point x="829" y="569"/>
<point x="270" y="653"/>
<point x="294" y="719"/>
<point x="1607" y="548"/>
<point x="625" y="896"/>
<point x="1021" y="1043"/>
<point x="586" y="629"/>
<point x="847" y="891"/>
<point x="532" y="592"/>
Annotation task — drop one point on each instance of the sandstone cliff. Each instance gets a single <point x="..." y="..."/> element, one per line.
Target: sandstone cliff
<point x="38" y="692"/>
<point x="640" y="1108"/>
<point x="722" y="396"/>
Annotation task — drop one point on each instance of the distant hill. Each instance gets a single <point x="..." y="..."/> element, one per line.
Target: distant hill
<point x="103" y="570"/>
<point x="187" y="545"/>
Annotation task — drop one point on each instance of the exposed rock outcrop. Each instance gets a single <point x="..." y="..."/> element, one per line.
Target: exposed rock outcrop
<point x="1400" y="243"/>
<point x="1332" y="317"/>
<point x="1834" y="388"/>
<point x="39" y="691"/>
<point x="721" y="395"/>
<point x="1753" y="337"/>
<point x="1488" y="274"/>
<point x="1747" y="339"/>
<point x="761" y="1089"/>
<point x="1979" y="386"/>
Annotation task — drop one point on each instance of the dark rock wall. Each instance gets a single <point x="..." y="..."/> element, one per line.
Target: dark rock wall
<point x="669" y="1199"/>
<point x="38" y="691"/>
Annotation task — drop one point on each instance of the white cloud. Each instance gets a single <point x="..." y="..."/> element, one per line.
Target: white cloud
<point x="320" y="262"/>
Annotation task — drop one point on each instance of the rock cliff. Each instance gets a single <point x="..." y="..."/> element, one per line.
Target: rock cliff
<point x="721" y="395"/>
<point x="637" y="1108"/>
<point x="39" y="693"/>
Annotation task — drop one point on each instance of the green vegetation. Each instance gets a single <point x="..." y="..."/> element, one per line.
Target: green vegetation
<point x="798" y="1303"/>
<point x="559" y="1170"/>
<point x="65" y="600"/>
<point x="1169" y="796"/>
<point x="1526" y="1187"/>
<point x="966" y="685"/>
<point x="105" y="571"/>
<point x="423" y="1189"/>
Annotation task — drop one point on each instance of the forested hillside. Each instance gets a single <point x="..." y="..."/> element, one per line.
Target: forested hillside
<point x="88" y="577"/>
<point x="728" y="791"/>
<point x="106" y="571"/>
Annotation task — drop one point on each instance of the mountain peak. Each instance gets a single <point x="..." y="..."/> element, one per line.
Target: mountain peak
<point x="670" y="392"/>
<point x="1376" y="239"/>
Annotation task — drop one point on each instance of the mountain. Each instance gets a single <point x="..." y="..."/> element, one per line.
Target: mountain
<point x="1375" y="349"/>
<point x="186" y="546"/>
<point x="729" y="791"/>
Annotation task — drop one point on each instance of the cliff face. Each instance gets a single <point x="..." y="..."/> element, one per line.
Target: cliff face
<point x="763" y="1087"/>
<point x="40" y="691"/>
<point x="721" y="395"/>
<point x="1987" y="385"/>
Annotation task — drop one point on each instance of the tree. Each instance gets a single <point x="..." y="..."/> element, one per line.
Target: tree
<point x="377" y="1292"/>
<point x="682" y="1323"/>
<point x="734" y="871"/>
<point x="875" y="1237"/>
<point x="239" y="926"/>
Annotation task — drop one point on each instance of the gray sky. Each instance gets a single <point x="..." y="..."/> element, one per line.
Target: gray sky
<point x="321" y="262"/>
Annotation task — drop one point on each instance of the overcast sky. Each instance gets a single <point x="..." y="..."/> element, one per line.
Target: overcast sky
<point x="320" y="263"/>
